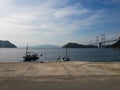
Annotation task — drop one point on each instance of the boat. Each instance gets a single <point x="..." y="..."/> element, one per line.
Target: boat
<point x="30" y="56"/>
<point x="66" y="58"/>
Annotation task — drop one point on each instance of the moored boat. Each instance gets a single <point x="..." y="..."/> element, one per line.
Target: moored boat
<point x="66" y="58"/>
<point x="30" y="56"/>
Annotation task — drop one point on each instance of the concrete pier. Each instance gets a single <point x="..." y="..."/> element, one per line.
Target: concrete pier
<point x="60" y="76"/>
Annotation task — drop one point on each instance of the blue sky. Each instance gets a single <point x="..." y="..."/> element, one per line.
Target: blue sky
<point x="39" y="22"/>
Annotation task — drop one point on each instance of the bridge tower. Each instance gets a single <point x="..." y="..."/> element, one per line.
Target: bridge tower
<point x="103" y="41"/>
<point x="97" y="41"/>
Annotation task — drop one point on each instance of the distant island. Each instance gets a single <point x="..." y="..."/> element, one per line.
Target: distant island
<point x="7" y="44"/>
<point x="76" y="45"/>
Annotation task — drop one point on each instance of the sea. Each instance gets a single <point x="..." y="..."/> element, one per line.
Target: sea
<point x="51" y="55"/>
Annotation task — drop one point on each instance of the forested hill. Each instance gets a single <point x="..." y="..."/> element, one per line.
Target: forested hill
<point x="7" y="44"/>
<point x="76" y="45"/>
<point x="116" y="45"/>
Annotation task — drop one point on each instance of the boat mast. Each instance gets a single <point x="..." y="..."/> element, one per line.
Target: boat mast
<point x="26" y="49"/>
<point x="66" y="52"/>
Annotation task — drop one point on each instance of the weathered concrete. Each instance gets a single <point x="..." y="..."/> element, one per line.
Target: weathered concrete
<point x="60" y="76"/>
<point x="59" y="68"/>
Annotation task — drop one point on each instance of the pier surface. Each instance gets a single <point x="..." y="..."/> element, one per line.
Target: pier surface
<point x="60" y="76"/>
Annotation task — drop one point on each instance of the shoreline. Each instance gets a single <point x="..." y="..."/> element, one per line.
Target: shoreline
<point x="60" y="61"/>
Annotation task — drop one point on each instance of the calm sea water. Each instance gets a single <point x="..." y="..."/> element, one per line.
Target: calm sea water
<point x="93" y="55"/>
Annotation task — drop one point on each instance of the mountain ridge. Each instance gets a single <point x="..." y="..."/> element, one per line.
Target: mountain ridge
<point x="45" y="46"/>
<point x="7" y="44"/>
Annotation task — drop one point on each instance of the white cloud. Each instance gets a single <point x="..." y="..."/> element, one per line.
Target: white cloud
<point x="30" y="24"/>
<point x="69" y="11"/>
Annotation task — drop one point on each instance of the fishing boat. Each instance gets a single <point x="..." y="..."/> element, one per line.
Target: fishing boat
<point x="30" y="56"/>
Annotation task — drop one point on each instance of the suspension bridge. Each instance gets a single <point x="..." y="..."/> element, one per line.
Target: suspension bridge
<point x="101" y="41"/>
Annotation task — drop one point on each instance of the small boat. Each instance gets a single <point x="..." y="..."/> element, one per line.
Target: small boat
<point x="63" y="59"/>
<point x="66" y="58"/>
<point x="30" y="56"/>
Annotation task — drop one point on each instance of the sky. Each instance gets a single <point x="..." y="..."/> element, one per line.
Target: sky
<point x="57" y="22"/>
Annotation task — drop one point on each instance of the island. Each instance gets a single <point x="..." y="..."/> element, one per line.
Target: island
<point x="7" y="44"/>
<point x="116" y="45"/>
<point x="76" y="45"/>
